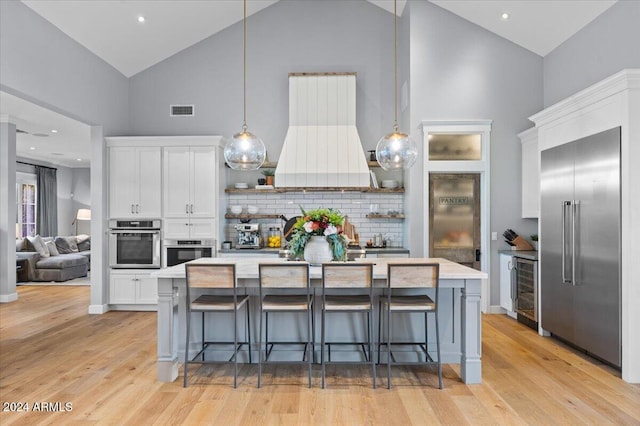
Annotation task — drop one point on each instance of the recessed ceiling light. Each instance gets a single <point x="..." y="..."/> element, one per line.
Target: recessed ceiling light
<point x="78" y="159"/>
<point x="54" y="131"/>
<point x="141" y="19"/>
<point x="32" y="148"/>
<point x="505" y="16"/>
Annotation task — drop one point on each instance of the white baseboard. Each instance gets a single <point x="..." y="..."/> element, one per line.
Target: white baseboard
<point x="495" y="309"/>
<point x="98" y="309"/>
<point x="7" y="298"/>
<point x="133" y="307"/>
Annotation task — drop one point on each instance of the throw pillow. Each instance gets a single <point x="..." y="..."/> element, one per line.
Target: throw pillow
<point x="53" y="250"/>
<point x="84" y="242"/>
<point x="38" y="245"/>
<point x="66" y="245"/>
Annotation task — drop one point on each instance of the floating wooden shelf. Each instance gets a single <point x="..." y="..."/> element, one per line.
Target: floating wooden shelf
<point x="252" y="216"/>
<point x="310" y="189"/>
<point x="265" y="165"/>
<point x="384" y="216"/>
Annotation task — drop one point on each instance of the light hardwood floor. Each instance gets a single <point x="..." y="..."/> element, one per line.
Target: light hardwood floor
<point x="51" y="350"/>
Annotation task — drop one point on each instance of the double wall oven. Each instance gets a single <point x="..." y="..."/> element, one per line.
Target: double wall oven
<point x="134" y="244"/>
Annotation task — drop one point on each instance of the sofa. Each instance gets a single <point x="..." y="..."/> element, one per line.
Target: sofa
<point x="60" y="258"/>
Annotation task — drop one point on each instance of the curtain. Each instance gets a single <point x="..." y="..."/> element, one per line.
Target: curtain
<point x="47" y="216"/>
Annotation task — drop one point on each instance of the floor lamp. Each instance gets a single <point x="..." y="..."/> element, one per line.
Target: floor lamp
<point x="83" y="214"/>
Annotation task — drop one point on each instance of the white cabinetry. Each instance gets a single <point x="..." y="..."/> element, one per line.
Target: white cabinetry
<point x="132" y="287"/>
<point x="135" y="182"/>
<point x="506" y="290"/>
<point x="530" y="173"/>
<point x="190" y="192"/>
<point x="190" y="181"/>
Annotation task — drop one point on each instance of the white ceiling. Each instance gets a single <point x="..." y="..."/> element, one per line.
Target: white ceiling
<point x="537" y="25"/>
<point x="69" y="146"/>
<point x="110" y="29"/>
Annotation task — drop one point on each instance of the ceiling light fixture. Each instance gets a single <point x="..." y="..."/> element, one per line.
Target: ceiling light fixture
<point x="78" y="159"/>
<point x="396" y="150"/>
<point x="505" y="16"/>
<point x="54" y="131"/>
<point x="32" y="148"/>
<point x="141" y="19"/>
<point x="245" y="151"/>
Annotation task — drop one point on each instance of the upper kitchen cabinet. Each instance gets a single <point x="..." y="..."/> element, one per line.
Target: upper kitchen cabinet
<point x="530" y="173"/>
<point x="190" y="181"/>
<point x="135" y="189"/>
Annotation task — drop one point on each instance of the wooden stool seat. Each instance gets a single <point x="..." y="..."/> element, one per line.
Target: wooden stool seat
<point x="348" y="303"/>
<point x="208" y="302"/>
<point x="285" y="303"/>
<point x="410" y="303"/>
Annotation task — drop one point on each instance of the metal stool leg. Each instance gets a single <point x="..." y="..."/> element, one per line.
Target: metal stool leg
<point x="388" y="346"/>
<point x="438" y="350"/>
<point x="235" y="344"/>
<point x="371" y="351"/>
<point x="260" y="348"/>
<point x="322" y="346"/>
<point x="248" y="308"/>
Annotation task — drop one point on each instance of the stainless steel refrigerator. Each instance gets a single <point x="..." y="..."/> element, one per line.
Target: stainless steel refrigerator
<point x="580" y="244"/>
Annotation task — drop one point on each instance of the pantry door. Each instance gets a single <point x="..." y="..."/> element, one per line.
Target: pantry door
<point x="454" y="217"/>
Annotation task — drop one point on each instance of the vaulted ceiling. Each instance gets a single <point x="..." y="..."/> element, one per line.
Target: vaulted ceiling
<point x="111" y="30"/>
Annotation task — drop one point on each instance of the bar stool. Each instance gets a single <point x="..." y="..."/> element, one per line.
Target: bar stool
<point x="220" y="278"/>
<point x="285" y="287"/>
<point x="342" y="291"/>
<point x="419" y="277"/>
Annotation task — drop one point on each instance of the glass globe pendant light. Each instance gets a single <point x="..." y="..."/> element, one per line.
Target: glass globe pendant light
<point x="396" y="150"/>
<point x="245" y="151"/>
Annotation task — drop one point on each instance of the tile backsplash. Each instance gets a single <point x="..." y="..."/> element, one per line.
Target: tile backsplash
<point x="356" y="205"/>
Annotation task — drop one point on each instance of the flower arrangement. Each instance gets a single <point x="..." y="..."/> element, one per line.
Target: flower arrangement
<point x="319" y="222"/>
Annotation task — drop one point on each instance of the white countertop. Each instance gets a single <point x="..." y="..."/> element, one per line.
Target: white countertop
<point x="248" y="268"/>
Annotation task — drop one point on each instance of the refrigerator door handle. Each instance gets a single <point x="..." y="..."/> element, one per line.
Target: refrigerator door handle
<point x="564" y="245"/>
<point x="574" y="209"/>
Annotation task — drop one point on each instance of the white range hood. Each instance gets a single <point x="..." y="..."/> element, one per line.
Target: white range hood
<point x="322" y="147"/>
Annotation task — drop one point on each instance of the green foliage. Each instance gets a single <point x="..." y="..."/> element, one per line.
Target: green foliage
<point x="317" y="222"/>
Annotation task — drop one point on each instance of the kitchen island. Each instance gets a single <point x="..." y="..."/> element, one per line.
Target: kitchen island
<point x="459" y="311"/>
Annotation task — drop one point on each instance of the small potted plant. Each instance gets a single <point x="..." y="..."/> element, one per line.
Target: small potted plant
<point x="534" y="241"/>
<point x="268" y="174"/>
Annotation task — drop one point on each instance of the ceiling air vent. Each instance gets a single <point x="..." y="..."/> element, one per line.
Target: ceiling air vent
<point x="181" y="111"/>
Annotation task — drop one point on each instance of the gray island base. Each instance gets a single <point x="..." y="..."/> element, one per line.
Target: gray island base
<point x="459" y="313"/>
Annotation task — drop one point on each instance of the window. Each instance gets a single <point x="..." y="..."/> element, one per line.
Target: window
<point x="25" y="204"/>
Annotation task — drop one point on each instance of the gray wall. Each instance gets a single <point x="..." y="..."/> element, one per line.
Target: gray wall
<point x="290" y="36"/>
<point x="40" y="63"/>
<point x="607" y="45"/>
<point x="81" y="190"/>
<point x="461" y="71"/>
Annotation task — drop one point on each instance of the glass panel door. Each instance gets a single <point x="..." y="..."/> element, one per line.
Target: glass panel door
<point x="454" y="217"/>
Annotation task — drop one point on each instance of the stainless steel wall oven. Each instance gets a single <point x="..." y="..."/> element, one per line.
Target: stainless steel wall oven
<point x="134" y="244"/>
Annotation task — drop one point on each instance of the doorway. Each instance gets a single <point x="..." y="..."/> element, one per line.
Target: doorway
<point x="454" y="217"/>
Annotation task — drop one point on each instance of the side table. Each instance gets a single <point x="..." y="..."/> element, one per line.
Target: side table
<point x="21" y="270"/>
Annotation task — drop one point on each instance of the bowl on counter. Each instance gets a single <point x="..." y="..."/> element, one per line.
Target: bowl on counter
<point x="389" y="184"/>
<point x="236" y="209"/>
<point x="252" y="209"/>
<point x="242" y="185"/>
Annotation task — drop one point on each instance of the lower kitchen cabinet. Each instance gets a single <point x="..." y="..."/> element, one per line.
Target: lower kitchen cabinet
<point x="133" y="290"/>
<point x="506" y="284"/>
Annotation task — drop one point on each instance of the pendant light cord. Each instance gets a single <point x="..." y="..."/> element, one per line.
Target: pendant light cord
<point x="395" y="62"/>
<point x="244" y="67"/>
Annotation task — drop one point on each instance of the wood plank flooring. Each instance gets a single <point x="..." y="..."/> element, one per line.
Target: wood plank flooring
<point x="52" y="351"/>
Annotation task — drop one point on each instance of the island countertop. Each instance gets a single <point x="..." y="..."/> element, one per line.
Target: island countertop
<point x="247" y="268"/>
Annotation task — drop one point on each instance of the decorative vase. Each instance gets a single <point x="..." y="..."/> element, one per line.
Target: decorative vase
<point x="317" y="250"/>
<point x="269" y="180"/>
